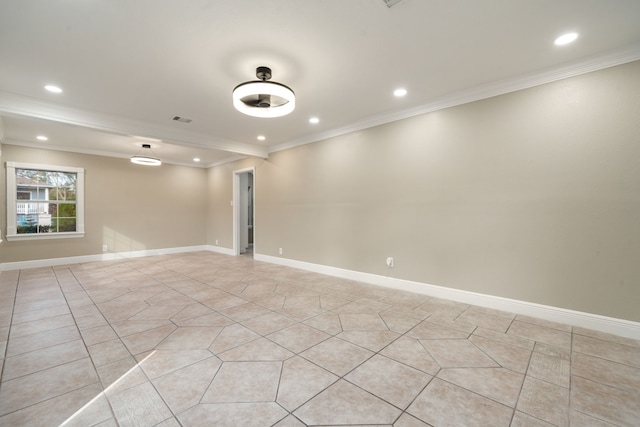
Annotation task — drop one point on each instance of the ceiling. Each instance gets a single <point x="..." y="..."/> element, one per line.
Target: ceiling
<point x="127" y="68"/>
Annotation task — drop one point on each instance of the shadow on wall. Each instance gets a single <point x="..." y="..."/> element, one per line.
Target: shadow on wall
<point x="114" y="241"/>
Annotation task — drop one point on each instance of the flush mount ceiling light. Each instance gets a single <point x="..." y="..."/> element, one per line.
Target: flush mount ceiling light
<point x="262" y="98"/>
<point x="146" y="157"/>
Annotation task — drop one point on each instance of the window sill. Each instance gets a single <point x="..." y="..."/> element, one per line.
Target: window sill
<point x="43" y="236"/>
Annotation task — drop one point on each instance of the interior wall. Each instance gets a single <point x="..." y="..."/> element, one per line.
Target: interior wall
<point x="533" y="195"/>
<point x="127" y="207"/>
<point x="244" y="212"/>
<point x="220" y="197"/>
<point x="3" y="196"/>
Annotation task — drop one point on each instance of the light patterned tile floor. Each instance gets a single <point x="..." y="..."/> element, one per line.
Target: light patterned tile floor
<point x="206" y="339"/>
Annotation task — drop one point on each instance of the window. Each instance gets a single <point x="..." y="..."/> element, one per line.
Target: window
<point x="44" y="202"/>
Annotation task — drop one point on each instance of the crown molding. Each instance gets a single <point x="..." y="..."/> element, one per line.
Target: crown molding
<point x="18" y="105"/>
<point x="571" y="69"/>
<point x="107" y="153"/>
<point x="227" y="160"/>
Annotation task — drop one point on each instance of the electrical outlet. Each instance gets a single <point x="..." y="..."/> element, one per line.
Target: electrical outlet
<point x="216" y="242"/>
<point x="279" y="251"/>
<point x="390" y="262"/>
<point x="105" y="248"/>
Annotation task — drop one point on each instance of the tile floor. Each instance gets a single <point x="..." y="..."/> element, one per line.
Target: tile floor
<point x="203" y="339"/>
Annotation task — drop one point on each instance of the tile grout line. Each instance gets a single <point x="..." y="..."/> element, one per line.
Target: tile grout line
<point x="10" y="326"/>
<point x="402" y="410"/>
<point x="137" y="365"/>
<point x="95" y="369"/>
<point x="61" y="364"/>
<point x="248" y="272"/>
<point x="175" y="415"/>
<point x="571" y="403"/>
<point x="524" y="379"/>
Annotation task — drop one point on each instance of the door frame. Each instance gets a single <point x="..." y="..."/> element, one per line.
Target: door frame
<point x="236" y="208"/>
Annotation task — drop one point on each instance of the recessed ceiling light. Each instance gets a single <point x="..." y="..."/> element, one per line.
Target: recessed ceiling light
<point x="261" y="138"/>
<point x="196" y="159"/>
<point x="53" y="89"/>
<point x="565" y="39"/>
<point x="400" y="92"/>
<point x="314" y="120"/>
<point x="41" y="138"/>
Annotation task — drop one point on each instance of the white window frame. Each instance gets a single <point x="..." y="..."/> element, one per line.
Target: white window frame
<point x="12" y="189"/>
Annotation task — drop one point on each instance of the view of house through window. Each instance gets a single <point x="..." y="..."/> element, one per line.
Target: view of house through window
<point x="45" y="201"/>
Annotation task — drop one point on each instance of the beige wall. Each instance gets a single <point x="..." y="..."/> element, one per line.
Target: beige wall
<point x="127" y="207"/>
<point x="3" y="186"/>
<point x="220" y="188"/>
<point x="534" y="196"/>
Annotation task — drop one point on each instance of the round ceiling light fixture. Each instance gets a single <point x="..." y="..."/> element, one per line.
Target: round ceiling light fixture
<point x="262" y="98"/>
<point x="146" y="157"/>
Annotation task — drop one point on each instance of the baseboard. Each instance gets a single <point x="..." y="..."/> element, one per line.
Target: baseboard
<point x="621" y="327"/>
<point x="110" y="256"/>
<point x="220" y="250"/>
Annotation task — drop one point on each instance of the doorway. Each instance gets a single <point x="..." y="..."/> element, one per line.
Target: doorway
<point x="243" y="211"/>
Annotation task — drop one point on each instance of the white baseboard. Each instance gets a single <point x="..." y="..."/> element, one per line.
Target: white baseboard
<point x="220" y="250"/>
<point x="110" y="256"/>
<point x="621" y="327"/>
<point x="611" y="325"/>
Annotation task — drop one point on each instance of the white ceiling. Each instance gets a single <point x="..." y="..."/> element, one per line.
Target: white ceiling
<point x="127" y="68"/>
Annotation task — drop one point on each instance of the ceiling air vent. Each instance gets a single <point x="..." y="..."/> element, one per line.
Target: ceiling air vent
<point x="182" y="119"/>
<point x="391" y="3"/>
